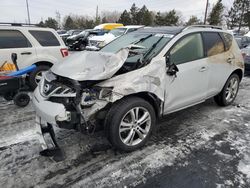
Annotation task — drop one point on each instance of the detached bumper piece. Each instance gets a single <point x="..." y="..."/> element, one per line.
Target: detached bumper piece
<point x="47" y="138"/>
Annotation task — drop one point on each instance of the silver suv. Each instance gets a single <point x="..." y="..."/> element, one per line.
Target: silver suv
<point x="136" y="79"/>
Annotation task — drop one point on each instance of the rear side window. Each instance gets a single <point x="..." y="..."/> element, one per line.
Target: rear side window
<point x="228" y="39"/>
<point x="13" y="39"/>
<point x="213" y="43"/>
<point x="187" y="49"/>
<point x="45" y="38"/>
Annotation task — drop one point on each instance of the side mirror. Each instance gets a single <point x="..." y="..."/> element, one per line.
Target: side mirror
<point x="172" y="70"/>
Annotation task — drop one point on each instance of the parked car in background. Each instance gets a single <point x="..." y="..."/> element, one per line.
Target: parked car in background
<point x="70" y="33"/>
<point x="107" y="26"/>
<point x="60" y="32"/>
<point x="97" y="42"/>
<point x="34" y="46"/>
<point x="135" y="79"/>
<point x="242" y="41"/>
<point x="248" y="34"/>
<point x="80" y="41"/>
<point x="246" y="55"/>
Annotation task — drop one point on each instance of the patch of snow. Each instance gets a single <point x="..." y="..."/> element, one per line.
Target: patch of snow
<point x="20" y="137"/>
<point x="224" y="155"/>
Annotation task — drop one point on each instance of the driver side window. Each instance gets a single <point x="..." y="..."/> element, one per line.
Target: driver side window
<point x="188" y="49"/>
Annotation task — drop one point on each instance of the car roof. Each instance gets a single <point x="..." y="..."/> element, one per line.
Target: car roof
<point x="174" y="30"/>
<point x="4" y="27"/>
<point x="164" y="30"/>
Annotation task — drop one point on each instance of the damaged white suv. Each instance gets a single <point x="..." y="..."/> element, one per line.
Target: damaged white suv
<point x="136" y="79"/>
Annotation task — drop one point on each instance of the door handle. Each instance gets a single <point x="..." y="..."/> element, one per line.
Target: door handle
<point x="202" y="69"/>
<point x="26" y="53"/>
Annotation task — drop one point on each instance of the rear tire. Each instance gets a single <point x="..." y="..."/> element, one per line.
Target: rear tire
<point x="82" y="47"/>
<point x="35" y="76"/>
<point x="129" y="123"/>
<point x="21" y="99"/>
<point x="229" y="91"/>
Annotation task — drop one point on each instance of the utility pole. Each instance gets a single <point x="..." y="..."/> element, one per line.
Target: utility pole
<point x="205" y="19"/>
<point x="28" y="11"/>
<point x="96" y="16"/>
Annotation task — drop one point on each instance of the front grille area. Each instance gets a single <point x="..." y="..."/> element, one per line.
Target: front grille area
<point x="56" y="88"/>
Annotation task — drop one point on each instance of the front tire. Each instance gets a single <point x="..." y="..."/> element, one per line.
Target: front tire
<point x="129" y="123"/>
<point x="229" y="91"/>
<point x="35" y="76"/>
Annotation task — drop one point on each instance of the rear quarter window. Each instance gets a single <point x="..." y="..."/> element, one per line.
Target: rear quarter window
<point x="213" y="43"/>
<point x="45" y="38"/>
<point x="13" y="39"/>
<point x="228" y="40"/>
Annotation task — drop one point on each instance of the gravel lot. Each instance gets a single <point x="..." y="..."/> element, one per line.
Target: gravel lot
<point x="203" y="146"/>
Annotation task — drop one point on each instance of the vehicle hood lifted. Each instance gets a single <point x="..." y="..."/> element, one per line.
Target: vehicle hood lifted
<point x="91" y="65"/>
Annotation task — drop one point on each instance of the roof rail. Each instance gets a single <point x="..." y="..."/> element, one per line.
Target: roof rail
<point x="203" y="26"/>
<point x="16" y="24"/>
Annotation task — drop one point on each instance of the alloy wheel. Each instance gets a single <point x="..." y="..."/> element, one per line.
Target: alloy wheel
<point x="231" y="90"/>
<point x="135" y="126"/>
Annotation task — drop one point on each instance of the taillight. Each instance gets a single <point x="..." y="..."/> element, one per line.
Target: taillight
<point x="64" y="52"/>
<point x="5" y="77"/>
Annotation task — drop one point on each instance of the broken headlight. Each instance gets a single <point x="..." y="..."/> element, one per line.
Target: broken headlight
<point x="90" y="96"/>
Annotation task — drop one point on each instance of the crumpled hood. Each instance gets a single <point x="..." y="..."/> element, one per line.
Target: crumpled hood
<point x="91" y="65"/>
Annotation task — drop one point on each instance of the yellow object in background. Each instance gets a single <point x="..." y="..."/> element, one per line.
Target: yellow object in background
<point x="7" y="67"/>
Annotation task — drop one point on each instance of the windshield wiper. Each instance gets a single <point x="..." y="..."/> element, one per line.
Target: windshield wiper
<point x="142" y="39"/>
<point x="151" y="49"/>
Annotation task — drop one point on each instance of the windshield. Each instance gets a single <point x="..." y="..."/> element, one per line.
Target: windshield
<point x="145" y="47"/>
<point x="118" y="32"/>
<point x="137" y="38"/>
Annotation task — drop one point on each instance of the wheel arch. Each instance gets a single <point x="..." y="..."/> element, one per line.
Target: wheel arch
<point x="152" y="99"/>
<point x="43" y="63"/>
<point x="147" y="96"/>
<point x="239" y="72"/>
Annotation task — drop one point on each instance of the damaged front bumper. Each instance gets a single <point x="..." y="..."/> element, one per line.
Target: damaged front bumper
<point x="49" y="111"/>
<point x="49" y="114"/>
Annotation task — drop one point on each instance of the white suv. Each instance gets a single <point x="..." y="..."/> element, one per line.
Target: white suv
<point x="33" y="45"/>
<point x="136" y="79"/>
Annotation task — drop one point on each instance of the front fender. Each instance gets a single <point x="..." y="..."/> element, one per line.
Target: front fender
<point x="151" y="79"/>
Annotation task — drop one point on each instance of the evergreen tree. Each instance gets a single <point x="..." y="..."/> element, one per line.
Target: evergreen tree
<point x="237" y="13"/>
<point x="90" y="24"/>
<point x="98" y="20"/>
<point x="51" y="23"/>
<point x="193" y="20"/>
<point x="125" y="18"/>
<point x="247" y="19"/>
<point x="147" y="18"/>
<point x="104" y="20"/>
<point x="171" y="18"/>
<point x="215" y="17"/>
<point x="69" y="23"/>
<point x="41" y="24"/>
<point x="159" y="19"/>
<point x="134" y="14"/>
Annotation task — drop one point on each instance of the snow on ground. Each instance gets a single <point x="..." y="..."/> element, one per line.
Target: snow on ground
<point x="203" y="146"/>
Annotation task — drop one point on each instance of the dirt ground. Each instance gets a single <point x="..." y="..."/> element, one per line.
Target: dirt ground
<point x="203" y="146"/>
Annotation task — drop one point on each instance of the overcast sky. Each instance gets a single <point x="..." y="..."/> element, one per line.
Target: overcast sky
<point x="15" y="10"/>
